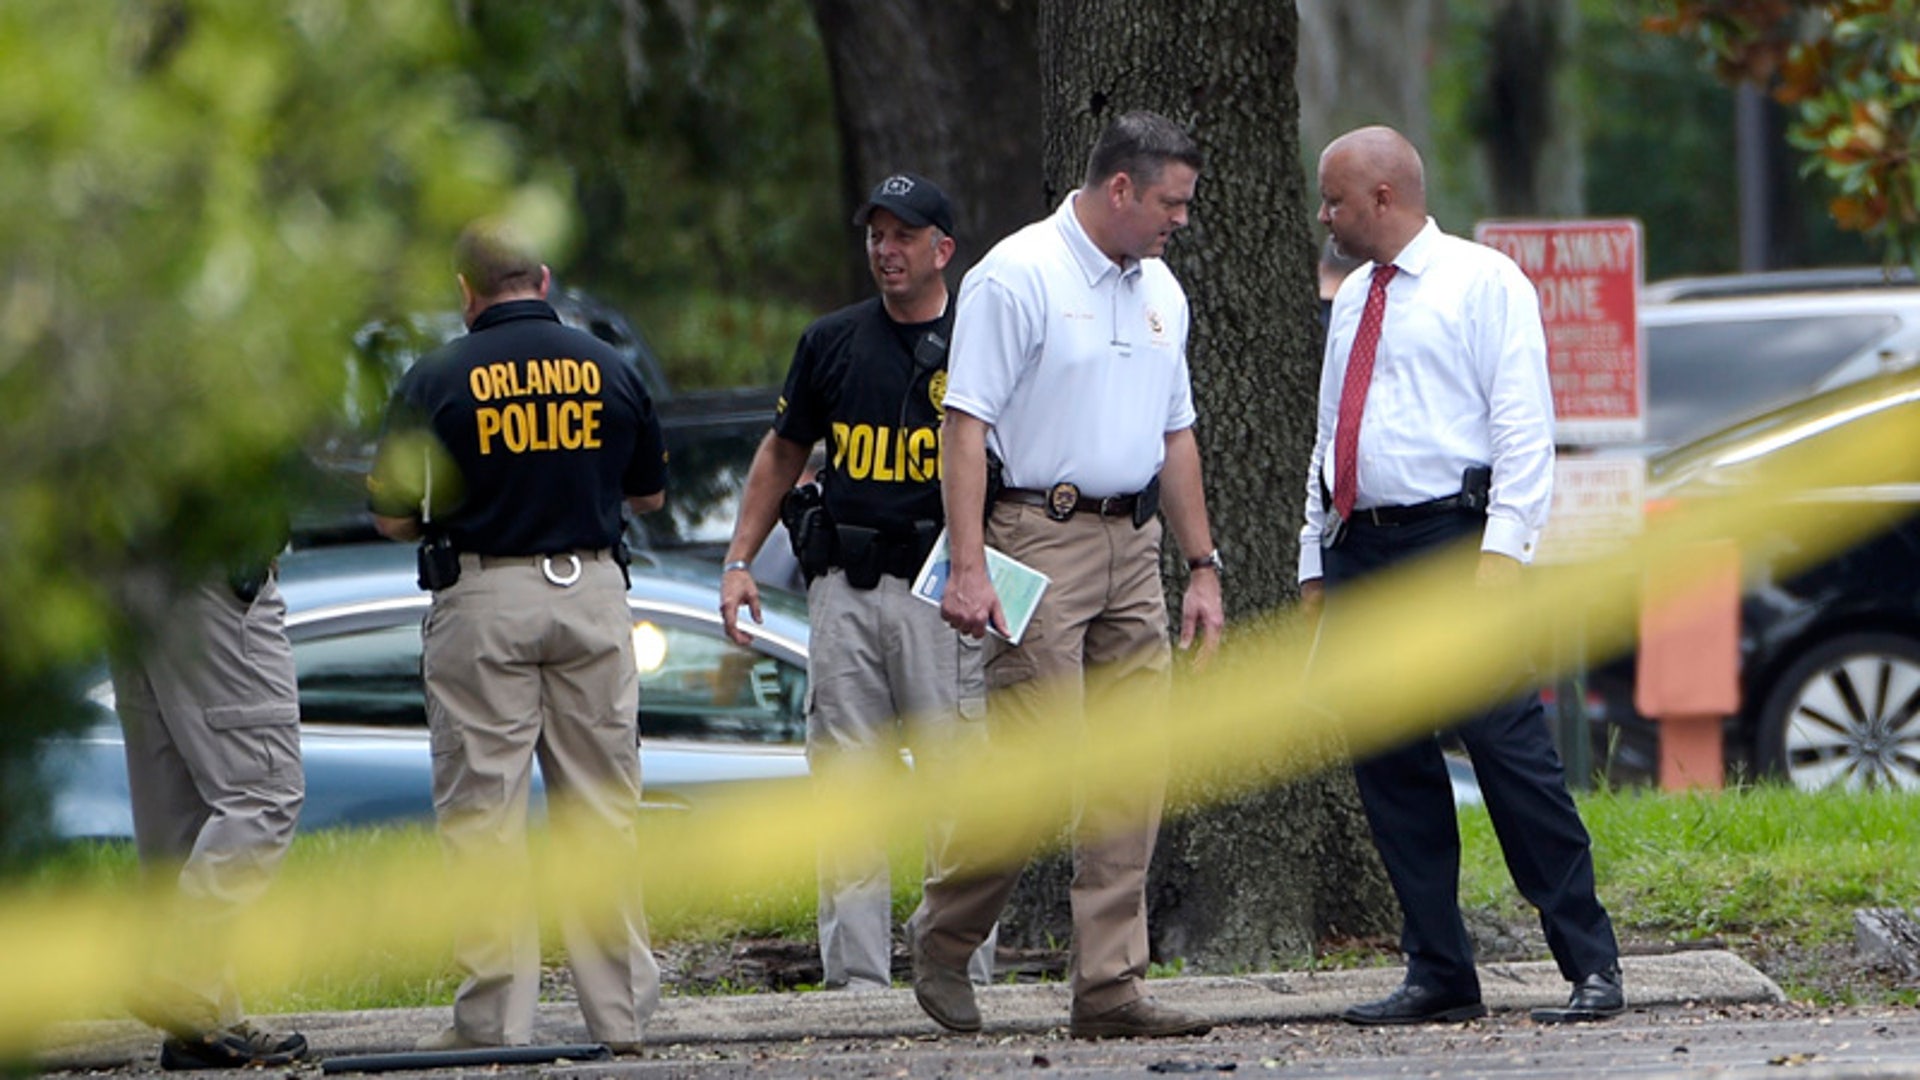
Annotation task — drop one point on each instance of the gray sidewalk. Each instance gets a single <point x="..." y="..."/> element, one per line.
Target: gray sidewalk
<point x="1704" y="978"/>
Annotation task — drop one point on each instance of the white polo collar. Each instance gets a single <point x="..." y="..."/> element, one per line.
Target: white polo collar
<point x="1093" y="262"/>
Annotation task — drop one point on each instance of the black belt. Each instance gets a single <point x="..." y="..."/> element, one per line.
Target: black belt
<point x="1067" y="504"/>
<point x="491" y="562"/>
<point x="1390" y="516"/>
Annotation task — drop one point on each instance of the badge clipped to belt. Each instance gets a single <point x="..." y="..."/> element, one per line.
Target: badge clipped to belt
<point x="1061" y="499"/>
<point x="1334" y="530"/>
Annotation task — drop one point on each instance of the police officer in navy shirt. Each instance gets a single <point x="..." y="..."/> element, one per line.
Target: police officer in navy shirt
<point x="883" y="668"/>
<point x="508" y="454"/>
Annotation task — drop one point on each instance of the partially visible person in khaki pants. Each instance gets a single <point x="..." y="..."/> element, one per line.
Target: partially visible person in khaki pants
<point x="210" y="711"/>
<point x="1069" y="366"/>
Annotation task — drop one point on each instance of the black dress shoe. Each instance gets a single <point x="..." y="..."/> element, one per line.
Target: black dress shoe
<point x="1413" y="1004"/>
<point x="1596" y="997"/>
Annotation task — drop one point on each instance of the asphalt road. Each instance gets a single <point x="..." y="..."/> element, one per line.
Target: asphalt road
<point x="1774" y="1042"/>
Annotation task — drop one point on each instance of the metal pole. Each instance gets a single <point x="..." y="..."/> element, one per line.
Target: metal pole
<point x="1750" y="138"/>
<point x="1571" y="728"/>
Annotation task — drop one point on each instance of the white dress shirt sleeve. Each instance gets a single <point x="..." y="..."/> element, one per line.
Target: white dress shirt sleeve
<point x="1512" y="347"/>
<point x="1311" y="532"/>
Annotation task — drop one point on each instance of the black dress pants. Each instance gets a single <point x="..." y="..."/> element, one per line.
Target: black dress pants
<point x="1409" y="802"/>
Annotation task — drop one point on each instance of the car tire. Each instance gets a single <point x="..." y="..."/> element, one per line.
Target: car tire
<point x="1846" y="714"/>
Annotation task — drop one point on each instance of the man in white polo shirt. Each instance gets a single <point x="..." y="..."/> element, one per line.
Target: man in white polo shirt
<point x="1069" y="365"/>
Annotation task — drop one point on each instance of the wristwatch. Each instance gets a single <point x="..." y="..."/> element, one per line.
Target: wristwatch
<point x="1210" y="561"/>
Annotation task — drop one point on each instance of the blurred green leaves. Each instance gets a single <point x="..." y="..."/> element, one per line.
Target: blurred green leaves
<point x="205" y="198"/>
<point x="700" y="142"/>
<point x="1850" y="70"/>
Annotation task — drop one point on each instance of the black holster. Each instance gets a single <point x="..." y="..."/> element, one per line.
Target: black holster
<point x="1147" y="503"/>
<point x="996" y="481"/>
<point x="809" y="531"/>
<point x="439" y="563"/>
<point x="1476" y="487"/>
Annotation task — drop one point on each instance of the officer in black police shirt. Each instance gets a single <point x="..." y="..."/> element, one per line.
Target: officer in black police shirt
<point x="883" y="667"/>
<point x="508" y="453"/>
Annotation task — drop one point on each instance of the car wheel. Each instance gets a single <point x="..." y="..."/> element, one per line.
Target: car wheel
<point x="1847" y="714"/>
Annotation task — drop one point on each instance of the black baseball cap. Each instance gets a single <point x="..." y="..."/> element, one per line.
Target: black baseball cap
<point x="913" y="199"/>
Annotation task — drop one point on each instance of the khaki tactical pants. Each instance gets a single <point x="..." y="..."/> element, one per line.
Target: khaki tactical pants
<point x="518" y="668"/>
<point x="1096" y="653"/>
<point x="213" y="766"/>
<point x="884" y="671"/>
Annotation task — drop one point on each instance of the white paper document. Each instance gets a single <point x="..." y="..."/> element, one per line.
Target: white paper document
<point x="1018" y="585"/>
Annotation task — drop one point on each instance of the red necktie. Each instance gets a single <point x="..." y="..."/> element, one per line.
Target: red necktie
<point x="1353" y="393"/>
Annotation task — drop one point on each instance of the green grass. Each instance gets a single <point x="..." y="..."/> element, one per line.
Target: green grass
<point x="1772" y="873"/>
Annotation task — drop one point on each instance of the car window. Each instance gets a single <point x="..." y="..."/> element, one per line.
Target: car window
<point x="1703" y="376"/>
<point x="369" y="676"/>
<point x="694" y="684"/>
<point x="697" y="685"/>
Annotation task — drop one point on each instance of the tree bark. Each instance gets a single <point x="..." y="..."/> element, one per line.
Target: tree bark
<point x="1261" y="879"/>
<point x="946" y="89"/>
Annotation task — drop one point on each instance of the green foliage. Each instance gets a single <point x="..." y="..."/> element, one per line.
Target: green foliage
<point x="714" y="340"/>
<point x="1851" y="70"/>
<point x="700" y="142"/>
<point x="1658" y="140"/>
<point x="203" y="197"/>
<point x="1761" y="865"/>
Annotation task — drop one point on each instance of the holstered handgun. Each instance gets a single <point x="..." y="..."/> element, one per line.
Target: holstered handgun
<point x="810" y="532"/>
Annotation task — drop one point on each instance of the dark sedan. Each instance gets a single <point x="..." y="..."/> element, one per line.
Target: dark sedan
<point x="1829" y="654"/>
<point x="713" y="715"/>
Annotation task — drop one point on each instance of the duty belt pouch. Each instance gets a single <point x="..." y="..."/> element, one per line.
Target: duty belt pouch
<point x="439" y="563"/>
<point x="246" y="582"/>
<point x="1147" y="503"/>
<point x="860" y="555"/>
<point x="925" y="535"/>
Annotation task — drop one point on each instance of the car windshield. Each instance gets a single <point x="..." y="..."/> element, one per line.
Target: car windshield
<point x="1701" y="376"/>
<point x="693" y="683"/>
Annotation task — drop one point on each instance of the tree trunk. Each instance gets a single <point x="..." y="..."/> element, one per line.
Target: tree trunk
<point x="1531" y="138"/>
<point x="944" y="88"/>
<point x="1260" y="880"/>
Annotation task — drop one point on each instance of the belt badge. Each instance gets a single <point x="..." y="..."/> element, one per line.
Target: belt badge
<point x="1061" y="499"/>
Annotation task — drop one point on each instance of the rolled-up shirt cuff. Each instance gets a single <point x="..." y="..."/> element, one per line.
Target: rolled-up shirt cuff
<point x="1505" y="536"/>
<point x="1310" y="567"/>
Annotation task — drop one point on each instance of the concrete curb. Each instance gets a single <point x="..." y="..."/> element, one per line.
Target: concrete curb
<point x="1705" y="977"/>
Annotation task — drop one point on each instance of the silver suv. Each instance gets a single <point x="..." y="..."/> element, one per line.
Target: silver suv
<point x="1721" y="349"/>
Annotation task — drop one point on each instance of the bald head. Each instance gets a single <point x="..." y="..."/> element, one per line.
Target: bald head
<point x="1373" y="192"/>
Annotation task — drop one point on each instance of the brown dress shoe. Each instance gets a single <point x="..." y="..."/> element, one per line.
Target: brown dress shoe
<point x="1142" y="1018"/>
<point x="946" y="994"/>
